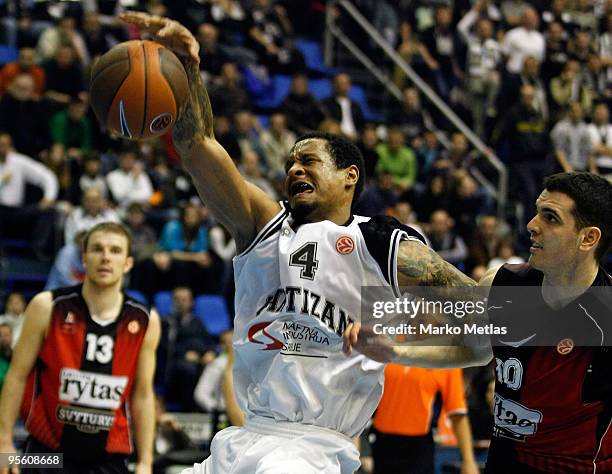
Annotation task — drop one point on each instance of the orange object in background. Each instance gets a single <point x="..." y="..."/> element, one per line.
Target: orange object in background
<point x="406" y="407"/>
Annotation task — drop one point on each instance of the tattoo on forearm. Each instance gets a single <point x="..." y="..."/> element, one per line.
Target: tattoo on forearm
<point x="427" y="268"/>
<point x="196" y="118"/>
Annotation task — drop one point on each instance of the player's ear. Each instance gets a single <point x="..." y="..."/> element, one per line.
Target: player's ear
<point x="129" y="264"/>
<point x="352" y="175"/>
<point x="590" y="237"/>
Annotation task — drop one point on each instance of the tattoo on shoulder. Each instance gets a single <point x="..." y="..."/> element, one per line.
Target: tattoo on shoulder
<point x="421" y="264"/>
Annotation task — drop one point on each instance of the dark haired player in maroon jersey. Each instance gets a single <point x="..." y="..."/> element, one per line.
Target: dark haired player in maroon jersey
<point x="84" y="366"/>
<point x="553" y="403"/>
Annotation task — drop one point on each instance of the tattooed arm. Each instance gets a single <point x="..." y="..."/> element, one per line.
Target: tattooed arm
<point x="240" y="206"/>
<point x="418" y="265"/>
<point x="435" y="356"/>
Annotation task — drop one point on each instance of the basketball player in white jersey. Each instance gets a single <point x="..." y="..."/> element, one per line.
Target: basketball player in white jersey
<point x="299" y="272"/>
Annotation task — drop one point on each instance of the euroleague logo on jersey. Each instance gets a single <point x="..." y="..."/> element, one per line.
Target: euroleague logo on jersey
<point x="565" y="346"/>
<point x="345" y="245"/>
<point x="133" y="327"/>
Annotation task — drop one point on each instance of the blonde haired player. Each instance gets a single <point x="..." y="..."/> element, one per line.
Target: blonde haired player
<point x="299" y="273"/>
<point x="84" y="366"/>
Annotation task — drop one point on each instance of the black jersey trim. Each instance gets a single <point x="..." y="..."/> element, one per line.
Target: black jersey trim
<point x="349" y="221"/>
<point x="392" y="261"/>
<point x="382" y="235"/>
<point x="272" y="231"/>
<point x="398" y="236"/>
<point x="137" y="305"/>
<point x="269" y="228"/>
<point x="59" y="298"/>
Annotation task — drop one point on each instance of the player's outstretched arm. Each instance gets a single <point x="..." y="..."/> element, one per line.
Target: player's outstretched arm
<point x="143" y="398"/>
<point x="240" y="206"/>
<point x="382" y="349"/>
<point x="36" y="320"/>
<point x="418" y="265"/>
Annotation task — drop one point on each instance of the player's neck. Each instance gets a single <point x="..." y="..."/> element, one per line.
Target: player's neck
<point x="103" y="302"/>
<point x="569" y="283"/>
<point x="339" y="215"/>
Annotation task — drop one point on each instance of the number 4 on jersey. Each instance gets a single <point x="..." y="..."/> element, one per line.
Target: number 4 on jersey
<point x="306" y="258"/>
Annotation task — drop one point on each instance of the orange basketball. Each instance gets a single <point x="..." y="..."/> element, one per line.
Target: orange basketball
<point x="138" y="88"/>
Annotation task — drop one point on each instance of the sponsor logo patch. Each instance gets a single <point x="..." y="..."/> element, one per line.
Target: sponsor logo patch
<point x="298" y="339"/>
<point x="513" y="420"/>
<point x="259" y="335"/>
<point x="67" y="325"/>
<point x="91" y="389"/>
<point x="86" y="421"/>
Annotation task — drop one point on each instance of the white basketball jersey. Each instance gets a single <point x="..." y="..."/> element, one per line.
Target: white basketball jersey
<point x="296" y="292"/>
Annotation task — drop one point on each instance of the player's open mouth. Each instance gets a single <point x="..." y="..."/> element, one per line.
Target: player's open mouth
<point x="535" y="246"/>
<point x="300" y="187"/>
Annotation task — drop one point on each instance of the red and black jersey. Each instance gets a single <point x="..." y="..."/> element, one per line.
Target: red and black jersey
<point x="553" y="405"/>
<point x="78" y="395"/>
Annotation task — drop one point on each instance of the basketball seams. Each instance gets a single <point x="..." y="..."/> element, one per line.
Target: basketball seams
<point x="172" y="68"/>
<point x="107" y="104"/>
<point x="111" y="62"/>
<point x="166" y="62"/>
<point x="146" y="91"/>
<point x="108" y="66"/>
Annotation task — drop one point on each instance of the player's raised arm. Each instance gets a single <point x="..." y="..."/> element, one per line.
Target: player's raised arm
<point x="240" y="206"/>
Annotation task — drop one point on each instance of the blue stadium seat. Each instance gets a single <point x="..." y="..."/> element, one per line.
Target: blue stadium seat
<point x="137" y="295"/>
<point x="162" y="301"/>
<point x="8" y="54"/>
<point x="25" y="275"/>
<point x="16" y="243"/>
<point x="313" y="56"/>
<point x="320" y="88"/>
<point x="17" y="247"/>
<point x="281" y="85"/>
<point x="264" y="120"/>
<point x="358" y="95"/>
<point x="212" y="311"/>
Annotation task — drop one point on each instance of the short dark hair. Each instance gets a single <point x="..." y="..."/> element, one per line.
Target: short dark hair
<point x="592" y="196"/>
<point x="135" y="206"/>
<point x="344" y="154"/>
<point x="112" y="228"/>
<point x="91" y="156"/>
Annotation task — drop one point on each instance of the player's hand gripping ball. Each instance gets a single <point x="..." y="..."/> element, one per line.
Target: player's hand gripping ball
<point x="138" y="89"/>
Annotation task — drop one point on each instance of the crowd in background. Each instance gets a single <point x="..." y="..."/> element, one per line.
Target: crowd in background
<point x="533" y="79"/>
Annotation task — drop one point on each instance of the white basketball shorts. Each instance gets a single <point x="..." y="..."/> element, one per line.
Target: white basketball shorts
<point x="265" y="446"/>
